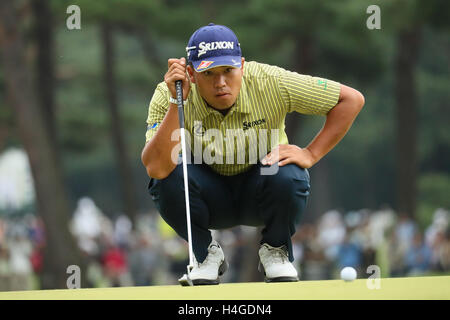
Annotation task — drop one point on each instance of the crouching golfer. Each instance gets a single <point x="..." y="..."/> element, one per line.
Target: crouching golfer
<point x="242" y="170"/>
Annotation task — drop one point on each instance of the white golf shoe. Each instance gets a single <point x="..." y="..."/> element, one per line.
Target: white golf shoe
<point x="275" y="264"/>
<point x="211" y="268"/>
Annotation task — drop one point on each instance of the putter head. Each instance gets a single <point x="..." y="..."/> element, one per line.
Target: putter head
<point x="185" y="281"/>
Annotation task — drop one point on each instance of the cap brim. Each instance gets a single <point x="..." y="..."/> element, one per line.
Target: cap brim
<point x="213" y="62"/>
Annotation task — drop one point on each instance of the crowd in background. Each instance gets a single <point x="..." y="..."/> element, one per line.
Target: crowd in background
<point x="150" y="253"/>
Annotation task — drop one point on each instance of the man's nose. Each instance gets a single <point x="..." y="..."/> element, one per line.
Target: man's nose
<point x="219" y="81"/>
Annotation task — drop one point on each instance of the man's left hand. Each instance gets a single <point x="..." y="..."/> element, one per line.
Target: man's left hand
<point x="289" y="153"/>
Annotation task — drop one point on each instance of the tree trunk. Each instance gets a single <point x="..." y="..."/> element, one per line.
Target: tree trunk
<point x="148" y="47"/>
<point x="43" y="36"/>
<point x="320" y="199"/>
<point x="406" y="118"/>
<point x="60" y="250"/>
<point x="44" y="80"/>
<point x="125" y="168"/>
<point x="304" y="64"/>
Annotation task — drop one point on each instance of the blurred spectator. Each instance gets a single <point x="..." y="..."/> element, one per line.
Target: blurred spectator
<point x="5" y="270"/>
<point x="21" y="270"/>
<point x="436" y="237"/>
<point x="418" y="256"/>
<point x="441" y="251"/>
<point x="361" y="234"/>
<point x="349" y="254"/>
<point x="438" y="225"/>
<point x="395" y="255"/>
<point x="380" y="223"/>
<point x="143" y="261"/>
<point x="404" y="231"/>
<point x="152" y="254"/>
<point x="314" y="264"/>
<point x="86" y="225"/>
<point x="95" y="274"/>
<point x="36" y="231"/>
<point x="384" y="219"/>
<point x="3" y="227"/>
<point x="331" y="233"/>
<point x="122" y="231"/>
<point x="36" y="259"/>
<point x="16" y="186"/>
<point x="115" y="266"/>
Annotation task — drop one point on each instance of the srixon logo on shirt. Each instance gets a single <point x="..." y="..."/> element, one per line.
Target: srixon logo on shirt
<point x="232" y="147"/>
<point x="216" y="45"/>
<point x="250" y="124"/>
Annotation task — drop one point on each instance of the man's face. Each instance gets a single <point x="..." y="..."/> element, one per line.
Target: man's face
<point x="218" y="86"/>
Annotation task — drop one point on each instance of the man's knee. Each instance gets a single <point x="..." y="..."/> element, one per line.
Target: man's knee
<point x="167" y="189"/>
<point x="290" y="179"/>
<point x="173" y="183"/>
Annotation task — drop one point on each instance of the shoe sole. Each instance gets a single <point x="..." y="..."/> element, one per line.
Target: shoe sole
<point x="204" y="282"/>
<point x="281" y="279"/>
<point x="276" y="279"/>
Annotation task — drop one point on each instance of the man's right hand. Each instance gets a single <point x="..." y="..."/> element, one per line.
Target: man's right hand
<point x="177" y="71"/>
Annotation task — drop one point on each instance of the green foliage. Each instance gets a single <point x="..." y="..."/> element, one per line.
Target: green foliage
<point x="362" y="165"/>
<point x="434" y="81"/>
<point x="128" y="12"/>
<point x="433" y="193"/>
<point x="147" y="33"/>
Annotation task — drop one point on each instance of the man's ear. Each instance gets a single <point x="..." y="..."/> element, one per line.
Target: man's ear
<point x="191" y="71"/>
<point x="242" y="63"/>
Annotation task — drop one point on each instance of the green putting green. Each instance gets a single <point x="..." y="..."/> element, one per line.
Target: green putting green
<point x="437" y="287"/>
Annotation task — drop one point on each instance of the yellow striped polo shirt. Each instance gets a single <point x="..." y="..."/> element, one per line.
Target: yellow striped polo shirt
<point x="231" y="144"/>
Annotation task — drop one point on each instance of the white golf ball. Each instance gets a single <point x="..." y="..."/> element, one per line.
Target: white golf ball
<point x="348" y="274"/>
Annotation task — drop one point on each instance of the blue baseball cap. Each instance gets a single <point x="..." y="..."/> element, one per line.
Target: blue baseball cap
<point x="213" y="46"/>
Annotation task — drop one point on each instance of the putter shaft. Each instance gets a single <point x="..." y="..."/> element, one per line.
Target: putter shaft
<point x="179" y="89"/>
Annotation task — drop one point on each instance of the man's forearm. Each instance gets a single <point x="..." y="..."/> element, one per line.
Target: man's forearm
<point x="338" y="122"/>
<point x="157" y="153"/>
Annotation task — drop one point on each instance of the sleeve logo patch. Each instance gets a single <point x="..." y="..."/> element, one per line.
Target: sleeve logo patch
<point x="153" y="126"/>
<point x="323" y="83"/>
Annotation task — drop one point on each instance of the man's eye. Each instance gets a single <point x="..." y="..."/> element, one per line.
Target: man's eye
<point x="207" y="73"/>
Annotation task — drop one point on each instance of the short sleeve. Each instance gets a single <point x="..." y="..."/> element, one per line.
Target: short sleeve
<point x="157" y="110"/>
<point x="307" y="94"/>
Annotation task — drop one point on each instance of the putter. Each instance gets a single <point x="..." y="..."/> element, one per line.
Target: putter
<point x="185" y="280"/>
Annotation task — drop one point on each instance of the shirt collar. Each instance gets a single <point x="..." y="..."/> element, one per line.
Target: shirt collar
<point x="242" y="100"/>
<point x="201" y="109"/>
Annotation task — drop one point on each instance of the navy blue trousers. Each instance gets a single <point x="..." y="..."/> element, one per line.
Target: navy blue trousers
<point x="274" y="202"/>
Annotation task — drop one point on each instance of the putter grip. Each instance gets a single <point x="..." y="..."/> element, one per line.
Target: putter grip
<point x="179" y="88"/>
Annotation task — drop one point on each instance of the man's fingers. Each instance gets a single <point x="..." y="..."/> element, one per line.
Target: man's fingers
<point x="172" y="61"/>
<point x="275" y="156"/>
<point x="285" y="162"/>
<point x="176" y="62"/>
<point x="278" y="154"/>
<point x="176" y="68"/>
<point x="268" y="159"/>
<point x="174" y="76"/>
<point x="177" y="71"/>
